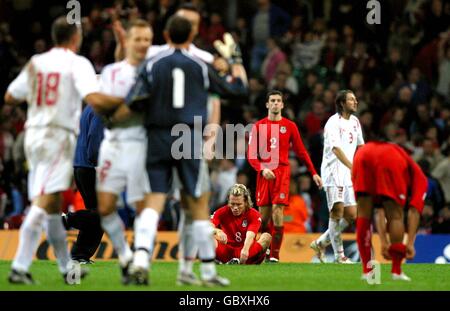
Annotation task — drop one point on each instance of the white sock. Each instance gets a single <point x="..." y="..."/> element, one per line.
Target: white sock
<point x="343" y="223"/>
<point x="203" y="235"/>
<point x="29" y="237"/>
<point x="324" y="240"/>
<point x="57" y="237"/>
<point x="187" y="248"/>
<point x="113" y="226"/>
<point x="335" y="237"/>
<point x="145" y="228"/>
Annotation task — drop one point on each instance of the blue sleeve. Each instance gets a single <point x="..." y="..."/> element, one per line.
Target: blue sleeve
<point x="220" y="86"/>
<point x="139" y="93"/>
<point x="95" y="137"/>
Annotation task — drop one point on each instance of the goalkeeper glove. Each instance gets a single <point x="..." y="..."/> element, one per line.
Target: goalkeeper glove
<point x="229" y="49"/>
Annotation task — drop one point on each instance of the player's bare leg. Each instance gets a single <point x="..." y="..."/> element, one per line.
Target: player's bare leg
<point x="278" y="230"/>
<point x="264" y="240"/>
<point x="266" y="217"/>
<point x="187" y="249"/>
<point x="203" y="233"/>
<point x="45" y="212"/>
<point x="396" y="227"/>
<point x="363" y="230"/>
<point x="113" y="226"/>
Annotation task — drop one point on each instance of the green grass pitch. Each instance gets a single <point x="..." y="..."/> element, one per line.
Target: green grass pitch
<point x="271" y="277"/>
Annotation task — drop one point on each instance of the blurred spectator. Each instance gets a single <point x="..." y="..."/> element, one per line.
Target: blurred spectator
<point x="435" y="195"/>
<point x="442" y="223"/>
<point x="291" y="82"/>
<point x="274" y="57"/>
<point x="315" y="119"/>
<point x="442" y="173"/>
<point x="296" y="213"/>
<point x="214" y="30"/>
<point x="429" y="152"/>
<point x="269" y="21"/>
<point x="224" y="179"/>
<point x="306" y="54"/>
<point x="443" y="85"/>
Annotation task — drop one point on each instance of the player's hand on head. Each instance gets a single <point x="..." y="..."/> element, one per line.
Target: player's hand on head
<point x="229" y="49"/>
<point x="410" y="252"/>
<point x="268" y="174"/>
<point x="318" y="181"/>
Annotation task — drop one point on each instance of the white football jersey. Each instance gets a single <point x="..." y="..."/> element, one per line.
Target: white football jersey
<point x="54" y="84"/>
<point x="201" y="54"/>
<point x="116" y="80"/>
<point x="346" y="135"/>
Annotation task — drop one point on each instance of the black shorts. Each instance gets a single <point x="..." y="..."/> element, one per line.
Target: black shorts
<point x="182" y="153"/>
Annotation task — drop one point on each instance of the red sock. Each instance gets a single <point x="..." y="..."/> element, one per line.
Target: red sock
<point x="397" y="252"/>
<point x="364" y="239"/>
<point x="277" y="239"/>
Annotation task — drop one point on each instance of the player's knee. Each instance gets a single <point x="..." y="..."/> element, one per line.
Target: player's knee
<point x="265" y="240"/>
<point x="337" y="212"/>
<point x="277" y="211"/>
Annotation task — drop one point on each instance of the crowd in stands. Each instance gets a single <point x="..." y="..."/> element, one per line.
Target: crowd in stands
<point x="399" y="71"/>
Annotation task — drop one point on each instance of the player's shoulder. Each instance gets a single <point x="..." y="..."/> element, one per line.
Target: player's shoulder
<point x="114" y="66"/>
<point x="334" y="119"/>
<point x="155" y="50"/>
<point x="254" y="212"/>
<point x="354" y="118"/>
<point x="203" y="55"/>
<point x="285" y="121"/>
<point x="221" y="210"/>
<point x="159" y="57"/>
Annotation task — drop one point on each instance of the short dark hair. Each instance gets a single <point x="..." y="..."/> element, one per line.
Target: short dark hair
<point x="179" y="29"/>
<point x="273" y="92"/>
<point x="341" y="97"/>
<point x="62" y="31"/>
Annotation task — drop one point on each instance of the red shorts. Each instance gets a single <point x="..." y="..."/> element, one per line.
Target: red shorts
<point x="380" y="176"/>
<point x="274" y="191"/>
<point x="226" y="252"/>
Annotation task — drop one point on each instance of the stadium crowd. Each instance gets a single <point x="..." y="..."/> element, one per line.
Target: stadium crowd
<point x="399" y="70"/>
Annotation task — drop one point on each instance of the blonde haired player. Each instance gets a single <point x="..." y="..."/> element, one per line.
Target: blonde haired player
<point x="236" y="226"/>
<point x="342" y="135"/>
<point x="53" y="84"/>
<point x="122" y="161"/>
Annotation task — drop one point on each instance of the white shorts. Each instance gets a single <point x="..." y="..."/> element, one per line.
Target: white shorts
<point x="344" y="194"/>
<point x="49" y="152"/>
<point x="121" y="166"/>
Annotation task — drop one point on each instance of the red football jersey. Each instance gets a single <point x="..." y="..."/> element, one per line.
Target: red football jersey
<point x="236" y="227"/>
<point x="269" y="145"/>
<point x="381" y="168"/>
